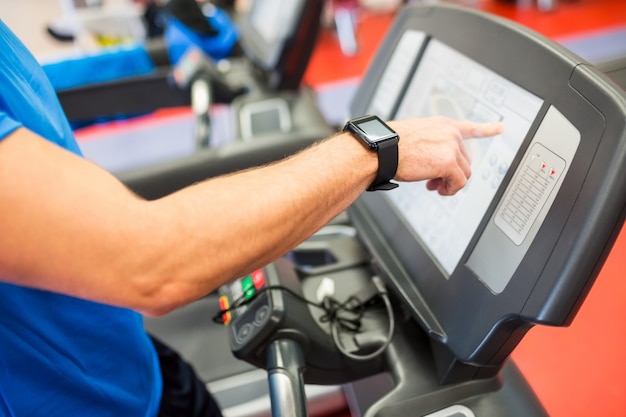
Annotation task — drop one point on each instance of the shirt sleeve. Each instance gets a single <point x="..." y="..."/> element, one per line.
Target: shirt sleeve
<point x="7" y="125"/>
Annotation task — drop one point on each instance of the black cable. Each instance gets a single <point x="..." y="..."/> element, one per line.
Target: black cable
<point x="335" y="330"/>
<point x="333" y="308"/>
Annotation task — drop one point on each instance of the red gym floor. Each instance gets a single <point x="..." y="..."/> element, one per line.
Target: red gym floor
<point x="579" y="370"/>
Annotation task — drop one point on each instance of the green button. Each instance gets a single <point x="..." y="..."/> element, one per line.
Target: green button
<point x="247" y="285"/>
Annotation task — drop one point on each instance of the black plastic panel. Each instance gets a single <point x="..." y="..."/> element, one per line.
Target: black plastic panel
<point x="477" y="325"/>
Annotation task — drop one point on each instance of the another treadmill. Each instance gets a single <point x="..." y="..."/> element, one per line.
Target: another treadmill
<point x="270" y="112"/>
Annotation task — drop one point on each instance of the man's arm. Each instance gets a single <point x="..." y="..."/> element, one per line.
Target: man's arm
<point x="70" y="227"/>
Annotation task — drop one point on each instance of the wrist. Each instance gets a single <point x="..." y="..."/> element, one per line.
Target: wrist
<point x="362" y="161"/>
<point x="381" y="140"/>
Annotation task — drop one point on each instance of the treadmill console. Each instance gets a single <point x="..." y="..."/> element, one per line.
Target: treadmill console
<point x="522" y="243"/>
<point x="277" y="38"/>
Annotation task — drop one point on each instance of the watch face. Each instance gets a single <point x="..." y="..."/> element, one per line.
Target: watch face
<point x="374" y="129"/>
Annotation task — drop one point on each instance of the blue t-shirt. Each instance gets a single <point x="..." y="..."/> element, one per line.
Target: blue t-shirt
<point x="59" y="355"/>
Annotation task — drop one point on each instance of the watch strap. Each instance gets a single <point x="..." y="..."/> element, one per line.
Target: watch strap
<point x="387" y="166"/>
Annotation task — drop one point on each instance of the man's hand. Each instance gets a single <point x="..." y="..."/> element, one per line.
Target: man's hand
<point x="433" y="149"/>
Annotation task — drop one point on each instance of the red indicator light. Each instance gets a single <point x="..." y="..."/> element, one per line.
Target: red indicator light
<point x="258" y="278"/>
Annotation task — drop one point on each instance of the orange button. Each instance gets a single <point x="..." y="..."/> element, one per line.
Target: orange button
<point x="226" y="317"/>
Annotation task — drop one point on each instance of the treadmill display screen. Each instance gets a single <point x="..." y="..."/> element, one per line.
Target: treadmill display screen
<point x="448" y="83"/>
<point x="273" y="20"/>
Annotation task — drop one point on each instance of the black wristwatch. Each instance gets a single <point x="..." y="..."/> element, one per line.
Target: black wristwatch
<point x="378" y="137"/>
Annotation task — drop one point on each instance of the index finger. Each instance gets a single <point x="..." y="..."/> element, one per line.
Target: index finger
<point x="469" y="129"/>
